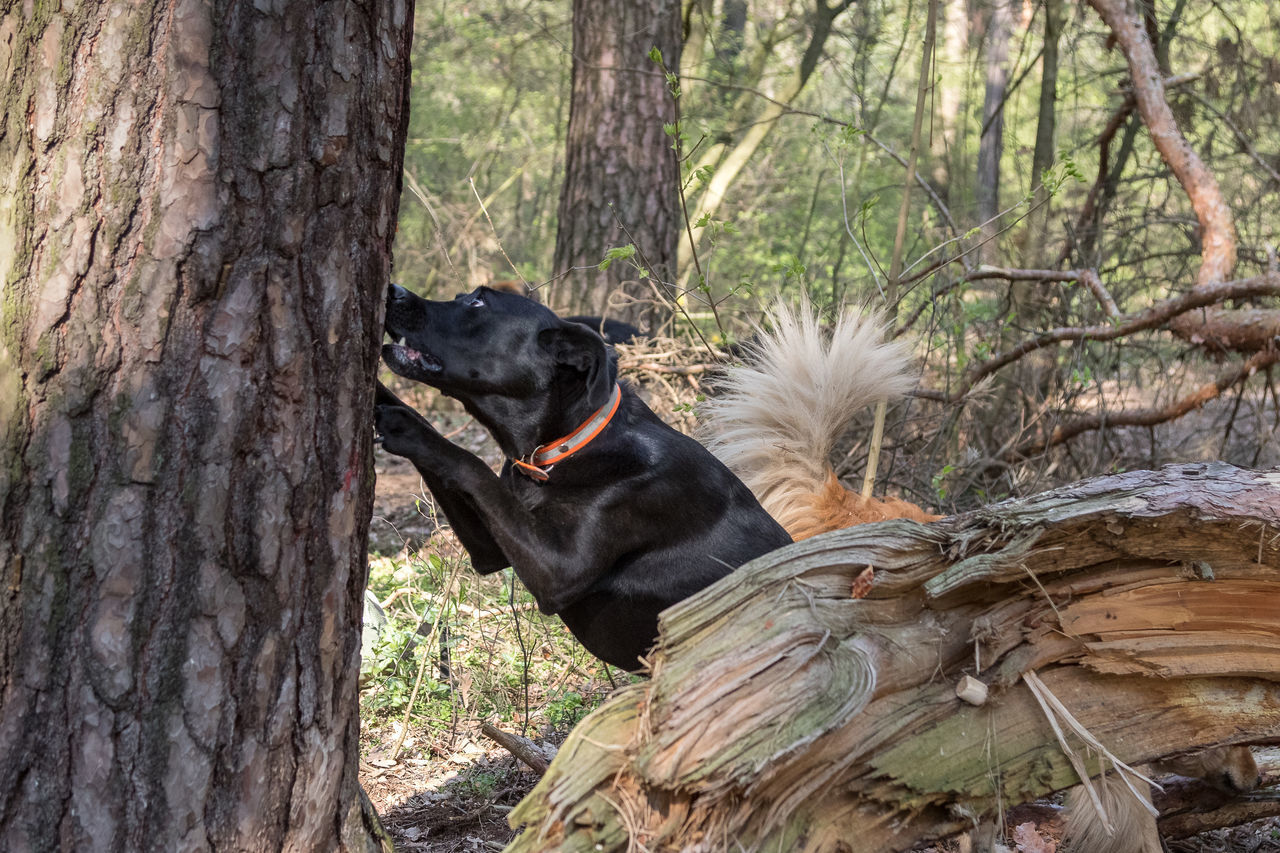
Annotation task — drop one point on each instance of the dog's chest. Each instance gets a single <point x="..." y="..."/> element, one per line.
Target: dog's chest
<point x="562" y="501"/>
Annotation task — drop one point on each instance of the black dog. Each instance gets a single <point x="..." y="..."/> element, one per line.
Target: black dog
<point x="608" y="526"/>
<point x="613" y="331"/>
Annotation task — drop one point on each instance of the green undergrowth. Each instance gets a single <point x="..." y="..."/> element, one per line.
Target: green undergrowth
<point x="459" y="649"/>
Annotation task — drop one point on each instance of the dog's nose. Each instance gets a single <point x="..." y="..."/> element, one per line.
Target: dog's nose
<point x="395" y="291"/>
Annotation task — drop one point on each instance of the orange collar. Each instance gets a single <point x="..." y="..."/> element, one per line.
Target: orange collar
<point x="538" y="464"/>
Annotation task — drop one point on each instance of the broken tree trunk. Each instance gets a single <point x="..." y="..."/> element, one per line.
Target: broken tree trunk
<point x="785" y="713"/>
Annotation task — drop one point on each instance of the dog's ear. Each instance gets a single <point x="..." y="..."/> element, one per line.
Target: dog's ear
<point x="577" y="347"/>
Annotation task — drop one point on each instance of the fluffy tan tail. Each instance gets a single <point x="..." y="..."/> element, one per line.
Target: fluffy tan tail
<point x="1133" y="827"/>
<point x="776" y="419"/>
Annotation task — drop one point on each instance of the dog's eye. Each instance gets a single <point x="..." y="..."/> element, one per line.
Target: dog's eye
<point x="476" y="302"/>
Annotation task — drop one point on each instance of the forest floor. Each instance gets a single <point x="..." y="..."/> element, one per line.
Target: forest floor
<point x="478" y="651"/>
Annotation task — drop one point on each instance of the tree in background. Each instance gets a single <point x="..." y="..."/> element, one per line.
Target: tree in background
<point x="196" y="212"/>
<point x="486" y="127"/>
<point x="999" y="24"/>
<point x="621" y="175"/>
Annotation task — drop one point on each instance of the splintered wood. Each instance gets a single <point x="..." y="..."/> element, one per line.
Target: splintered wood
<point x="785" y="714"/>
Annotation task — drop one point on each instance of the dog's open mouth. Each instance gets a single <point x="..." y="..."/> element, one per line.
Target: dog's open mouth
<point x="409" y="362"/>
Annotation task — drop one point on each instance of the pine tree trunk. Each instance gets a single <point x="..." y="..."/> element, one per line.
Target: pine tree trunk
<point x="991" y="142"/>
<point x="621" y="175"/>
<point x="197" y="202"/>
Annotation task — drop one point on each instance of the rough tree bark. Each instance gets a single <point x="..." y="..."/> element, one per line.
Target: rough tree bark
<point x="197" y="203"/>
<point x="621" y="175"/>
<point x="796" y="706"/>
<point x="991" y="142"/>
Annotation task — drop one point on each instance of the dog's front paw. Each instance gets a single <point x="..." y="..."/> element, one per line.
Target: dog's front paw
<point x="400" y="430"/>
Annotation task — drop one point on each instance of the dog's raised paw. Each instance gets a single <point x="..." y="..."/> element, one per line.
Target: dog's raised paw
<point x="399" y="430"/>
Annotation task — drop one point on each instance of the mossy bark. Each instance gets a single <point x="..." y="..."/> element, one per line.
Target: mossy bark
<point x="197" y="203"/>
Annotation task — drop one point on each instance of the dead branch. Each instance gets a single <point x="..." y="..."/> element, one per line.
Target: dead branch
<point x="1220" y="330"/>
<point x="784" y="714"/>
<point x="985" y="271"/>
<point x="1217" y="230"/>
<point x="1090" y="279"/>
<point x="1187" y="806"/>
<point x="1147" y="417"/>
<point x="673" y="369"/>
<point x="1200" y="296"/>
<point x="522" y="748"/>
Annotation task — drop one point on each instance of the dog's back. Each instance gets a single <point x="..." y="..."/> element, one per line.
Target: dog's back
<point x="777" y="417"/>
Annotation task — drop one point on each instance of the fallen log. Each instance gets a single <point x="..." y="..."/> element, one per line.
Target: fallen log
<point x="784" y="713"/>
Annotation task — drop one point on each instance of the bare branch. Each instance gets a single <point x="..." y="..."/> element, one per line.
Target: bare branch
<point x="1148" y="417"/>
<point x="674" y="369"/>
<point x="522" y="748"/>
<point x="1089" y="278"/>
<point x="1121" y="326"/>
<point x="985" y="272"/>
<point x="1219" y="330"/>
<point x="1218" y="233"/>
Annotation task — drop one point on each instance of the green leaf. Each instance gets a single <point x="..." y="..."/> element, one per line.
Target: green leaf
<point x="618" y="253"/>
<point x="790" y="266"/>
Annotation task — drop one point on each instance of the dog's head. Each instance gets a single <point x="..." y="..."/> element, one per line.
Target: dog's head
<point x="489" y="343"/>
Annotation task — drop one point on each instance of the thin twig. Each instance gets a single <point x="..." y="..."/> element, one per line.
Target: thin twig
<point x="496" y="237"/>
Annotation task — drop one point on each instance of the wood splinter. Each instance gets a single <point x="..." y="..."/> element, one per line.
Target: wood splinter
<point x="972" y="690"/>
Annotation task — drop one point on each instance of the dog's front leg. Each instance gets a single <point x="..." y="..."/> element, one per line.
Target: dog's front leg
<point x="557" y="561"/>
<point x="406" y="433"/>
